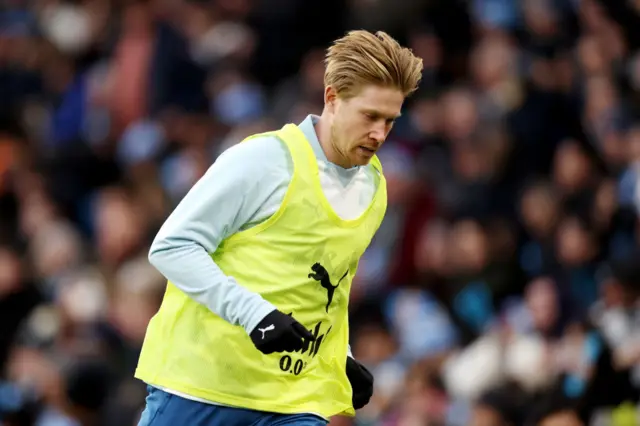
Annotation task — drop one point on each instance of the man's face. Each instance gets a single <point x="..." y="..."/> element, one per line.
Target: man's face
<point x="361" y="123"/>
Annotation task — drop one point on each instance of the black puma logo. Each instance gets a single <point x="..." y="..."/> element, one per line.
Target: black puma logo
<point x="320" y="274"/>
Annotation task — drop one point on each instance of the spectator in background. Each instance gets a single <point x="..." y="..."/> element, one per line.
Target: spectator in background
<point x="556" y="413"/>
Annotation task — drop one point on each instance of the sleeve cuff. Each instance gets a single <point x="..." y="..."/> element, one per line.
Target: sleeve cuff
<point x="257" y="315"/>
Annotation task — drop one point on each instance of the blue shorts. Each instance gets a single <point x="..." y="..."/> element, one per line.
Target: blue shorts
<point x="165" y="409"/>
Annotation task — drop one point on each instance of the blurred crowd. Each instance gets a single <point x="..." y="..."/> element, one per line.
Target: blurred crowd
<point x="503" y="286"/>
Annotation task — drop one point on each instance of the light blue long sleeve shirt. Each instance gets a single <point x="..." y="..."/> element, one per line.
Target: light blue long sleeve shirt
<point x="244" y="187"/>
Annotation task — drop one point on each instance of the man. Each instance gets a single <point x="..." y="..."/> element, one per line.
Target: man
<point x="260" y="255"/>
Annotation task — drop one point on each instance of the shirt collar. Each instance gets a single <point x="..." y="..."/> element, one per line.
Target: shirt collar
<point x="309" y="131"/>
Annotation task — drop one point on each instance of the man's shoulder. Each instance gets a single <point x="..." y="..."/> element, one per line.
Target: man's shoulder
<point x="264" y="148"/>
<point x="260" y="157"/>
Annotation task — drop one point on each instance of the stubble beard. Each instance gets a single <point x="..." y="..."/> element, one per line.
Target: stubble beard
<point x="335" y="145"/>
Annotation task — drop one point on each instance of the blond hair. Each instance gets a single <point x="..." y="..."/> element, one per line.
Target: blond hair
<point x="361" y="58"/>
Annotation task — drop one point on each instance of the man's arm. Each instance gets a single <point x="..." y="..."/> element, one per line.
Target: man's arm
<point x="246" y="182"/>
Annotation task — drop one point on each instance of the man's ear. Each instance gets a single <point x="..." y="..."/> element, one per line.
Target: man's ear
<point x="330" y="97"/>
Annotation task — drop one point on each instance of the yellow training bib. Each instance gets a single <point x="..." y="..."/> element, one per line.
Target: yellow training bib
<point x="302" y="260"/>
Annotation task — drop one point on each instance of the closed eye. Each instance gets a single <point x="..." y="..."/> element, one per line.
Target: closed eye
<point x="375" y="117"/>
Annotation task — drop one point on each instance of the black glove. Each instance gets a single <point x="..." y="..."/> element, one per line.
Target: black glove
<point x="278" y="332"/>
<point x="361" y="382"/>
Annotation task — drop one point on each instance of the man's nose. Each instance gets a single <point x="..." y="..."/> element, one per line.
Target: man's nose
<point x="379" y="132"/>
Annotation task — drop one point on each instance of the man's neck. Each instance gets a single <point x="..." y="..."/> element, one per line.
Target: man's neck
<point x="323" y="131"/>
